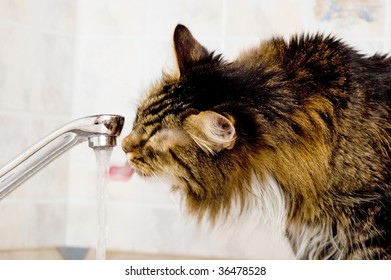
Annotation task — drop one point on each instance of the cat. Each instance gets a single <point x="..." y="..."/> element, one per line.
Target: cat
<point x="300" y="128"/>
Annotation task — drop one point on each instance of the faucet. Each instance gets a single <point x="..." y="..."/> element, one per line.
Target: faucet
<point x="100" y="131"/>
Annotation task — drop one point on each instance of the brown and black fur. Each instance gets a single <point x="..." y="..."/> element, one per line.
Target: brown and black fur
<point x="310" y="112"/>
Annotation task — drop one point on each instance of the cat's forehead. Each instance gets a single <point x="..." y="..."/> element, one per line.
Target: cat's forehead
<point x="156" y="99"/>
<point x="158" y="90"/>
<point x="160" y="105"/>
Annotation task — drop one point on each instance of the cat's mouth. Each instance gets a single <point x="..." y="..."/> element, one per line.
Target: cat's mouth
<point x="141" y="173"/>
<point x="139" y="166"/>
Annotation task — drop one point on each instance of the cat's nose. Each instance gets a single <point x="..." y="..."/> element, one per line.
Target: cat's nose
<point x="130" y="156"/>
<point x="128" y="143"/>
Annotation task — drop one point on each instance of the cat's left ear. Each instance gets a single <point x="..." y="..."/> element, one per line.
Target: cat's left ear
<point x="187" y="49"/>
<point x="211" y="131"/>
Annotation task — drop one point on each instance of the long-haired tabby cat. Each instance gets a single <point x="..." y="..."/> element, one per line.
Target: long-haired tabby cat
<point x="301" y="126"/>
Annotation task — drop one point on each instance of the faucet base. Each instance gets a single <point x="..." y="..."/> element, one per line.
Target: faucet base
<point x="101" y="141"/>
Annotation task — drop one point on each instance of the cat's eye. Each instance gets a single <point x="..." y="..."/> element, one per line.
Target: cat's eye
<point x="155" y="131"/>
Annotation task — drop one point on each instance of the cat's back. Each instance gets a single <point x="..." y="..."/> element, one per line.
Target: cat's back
<point x="308" y="65"/>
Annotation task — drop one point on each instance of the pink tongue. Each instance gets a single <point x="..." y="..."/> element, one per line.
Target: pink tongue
<point x="121" y="173"/>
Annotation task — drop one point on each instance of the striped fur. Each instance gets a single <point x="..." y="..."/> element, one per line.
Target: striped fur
<point x="299" y="129"/>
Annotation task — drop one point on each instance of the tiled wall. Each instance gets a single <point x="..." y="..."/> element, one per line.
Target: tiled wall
<point x="64" y="59"/>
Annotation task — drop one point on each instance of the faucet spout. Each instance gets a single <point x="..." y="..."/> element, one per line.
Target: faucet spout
<point x="99" y="130"/>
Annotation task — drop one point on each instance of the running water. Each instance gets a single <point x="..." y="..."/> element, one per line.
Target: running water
<point x="103" y="159"/>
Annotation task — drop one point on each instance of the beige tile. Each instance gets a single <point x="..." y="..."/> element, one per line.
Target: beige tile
<point x="11" y="226"/>
<point x="387" y="46"/>
<point x="233" y="47"/>
<point x="158" y="57"/>
<point x="81" y="224"/>
<point x="360" y="18"/>
<point x="247" y="19"/>
<point x="54" y="15"/>
<point x="52" y="74"/>
<point x="16" y="64"/>
<point x="116" y="17"/>
<point x="203" y="16"/>
<point x="82" y="173"/>
<point x="58" y="15"/>
<point x="14" y="139"/>
<point x="38" y="70"/>
<point x="160" y="231"/>
<point x="366" y="47"/>
<point x="264" y="19"/>
<point x="125" y="225"/>
<point x="14" y="10"/>
<point x="32" y="224"/>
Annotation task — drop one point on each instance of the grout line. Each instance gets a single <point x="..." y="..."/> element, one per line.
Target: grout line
<point x="91" y="202"/>
<point x="75" y="33"/>
<point x="33" y="200"/>
<point x="76" y="60"/>
<point x="125" y="203"/>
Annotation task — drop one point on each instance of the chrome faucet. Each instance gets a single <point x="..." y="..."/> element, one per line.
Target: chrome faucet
<point x="99" y="130"/>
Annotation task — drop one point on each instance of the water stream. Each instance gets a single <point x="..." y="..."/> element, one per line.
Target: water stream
<point x="103" y="160"/>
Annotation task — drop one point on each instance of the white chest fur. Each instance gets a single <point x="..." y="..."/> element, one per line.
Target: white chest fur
<point x="267" y="196"/>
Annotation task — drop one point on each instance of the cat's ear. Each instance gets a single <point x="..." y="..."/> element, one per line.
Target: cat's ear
<point x="187" y="49"/>
<point x="212" y="131"/>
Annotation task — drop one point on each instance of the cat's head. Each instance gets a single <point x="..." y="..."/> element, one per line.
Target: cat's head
<point x="190" y="129"/>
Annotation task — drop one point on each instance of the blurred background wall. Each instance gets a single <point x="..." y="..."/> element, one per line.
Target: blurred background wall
<point x="65" y="59"/>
